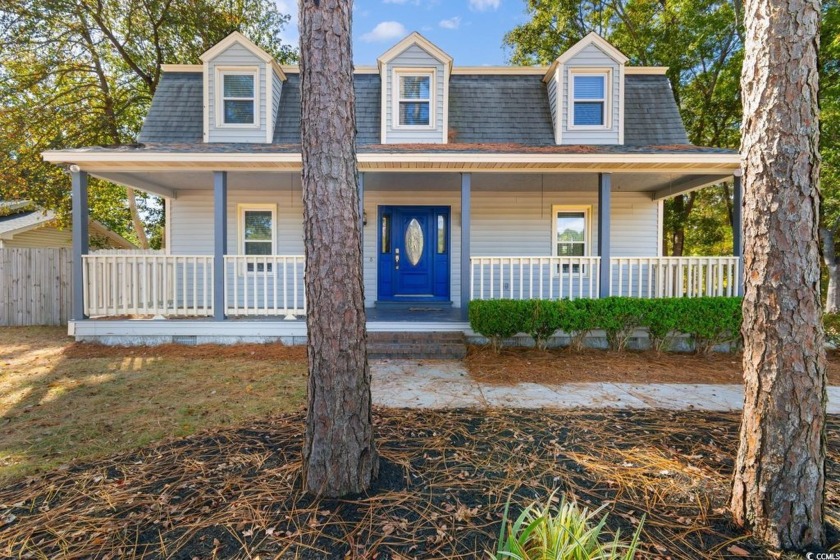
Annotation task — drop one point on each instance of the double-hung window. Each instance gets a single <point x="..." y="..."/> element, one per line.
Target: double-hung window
<point x="257" y="227"/>
<point x="415" y="98"/>
<point x="571" y="234"/>
<point x="239" y="98"/>
<point x="589" y="99"/>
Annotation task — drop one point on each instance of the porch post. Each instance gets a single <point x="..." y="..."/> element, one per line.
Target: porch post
<point x="466" y="279"/>
<point x="219" y="243"/>
<point x="362" y="213"/>
<point x="738" y="228"/>
<point x="604" y="196"/>
<point x="79" y="192"/>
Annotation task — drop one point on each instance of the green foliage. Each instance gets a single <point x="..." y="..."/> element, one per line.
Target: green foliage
<point x="543" y="318"/>
<point x="565" y="532"/>
<point x="710" y="321"/>
<point x="83" y="73"/>
<point x="662" y="319"/>
<point x="831" y="324"/>
<point x="499" y="319"/>
<point x="619" y="317"/>
<point x="579" y="317"/>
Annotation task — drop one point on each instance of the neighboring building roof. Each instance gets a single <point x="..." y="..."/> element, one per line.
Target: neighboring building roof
<point x="509" y="109"/>
<point x="19" y="216"/>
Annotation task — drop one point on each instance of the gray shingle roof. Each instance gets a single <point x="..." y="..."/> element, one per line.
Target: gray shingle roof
<point x="24" y="220"/>
<point x="176" y="114"/>
<point x="651" y="116"/>
<point x="518" y="106"/>
<point x="287" y="128"/>
<point x="499" y="109"/>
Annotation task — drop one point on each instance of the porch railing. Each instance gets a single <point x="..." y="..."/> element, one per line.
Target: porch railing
<point x="534" y="277"/>
<point x="658" y="277"/>
<point x="264" y="285"/>
<point x="148" y="284"/>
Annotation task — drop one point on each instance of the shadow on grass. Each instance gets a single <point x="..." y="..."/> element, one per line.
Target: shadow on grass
<point x="60" y="402"/>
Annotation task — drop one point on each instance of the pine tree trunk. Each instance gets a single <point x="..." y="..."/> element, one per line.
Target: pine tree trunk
<point x="339" y="456"/>
<point x="780" y="472"/>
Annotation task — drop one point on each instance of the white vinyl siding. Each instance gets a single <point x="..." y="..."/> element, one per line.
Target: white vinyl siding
<point x="236" y="57"/>
<point x="414" y="58"/>
<point x="511" y="216"/>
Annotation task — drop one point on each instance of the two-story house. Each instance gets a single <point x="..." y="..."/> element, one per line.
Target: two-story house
<point x="475" y="183"/>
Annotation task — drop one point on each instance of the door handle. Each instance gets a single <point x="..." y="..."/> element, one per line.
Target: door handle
<point x="397" y="258"/>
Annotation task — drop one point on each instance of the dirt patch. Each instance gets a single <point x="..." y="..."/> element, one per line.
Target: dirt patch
<point x="272" y="351"/>
<point x="236" y="493"/>
<point x="558" y="366"/>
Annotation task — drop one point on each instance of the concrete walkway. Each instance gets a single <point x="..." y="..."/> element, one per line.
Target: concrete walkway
<point x="446" y="384"/>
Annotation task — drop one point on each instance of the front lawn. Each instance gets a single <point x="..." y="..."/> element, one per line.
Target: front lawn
<point x="235" y="492"/>
<point x="61" y="401"/>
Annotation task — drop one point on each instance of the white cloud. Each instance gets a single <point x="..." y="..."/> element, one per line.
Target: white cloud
<point x="484" y="5"/>
<point x="385" y="31"/>
<point x="451" y="23"/>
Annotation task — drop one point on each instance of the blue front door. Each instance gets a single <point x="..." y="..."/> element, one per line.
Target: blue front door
<point x="413" y="247"/>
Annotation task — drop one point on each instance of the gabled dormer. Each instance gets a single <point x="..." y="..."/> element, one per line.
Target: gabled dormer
<point x="415" y="91"/>
<point x="242" y="87"/>
<point x="586" y="93"/>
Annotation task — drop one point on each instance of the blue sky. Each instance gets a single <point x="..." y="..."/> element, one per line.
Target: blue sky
<point x="470" y="31"/>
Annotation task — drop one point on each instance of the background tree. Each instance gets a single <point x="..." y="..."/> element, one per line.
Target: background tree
<point x="779" y="477"/>
<point x="82" y="72"/>
<point x="830" y="149"/>
<point x="339" y="456"/>
<point x="700" y="43"/>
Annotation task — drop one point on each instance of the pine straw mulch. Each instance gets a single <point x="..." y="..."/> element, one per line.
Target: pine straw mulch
<point x="445" y="477"/>
<point x="563" y="365"/>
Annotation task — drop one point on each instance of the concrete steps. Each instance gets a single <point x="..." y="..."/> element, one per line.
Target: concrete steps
<point x="414" y="346"/>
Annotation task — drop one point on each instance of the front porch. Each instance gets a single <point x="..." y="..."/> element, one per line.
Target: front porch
<point x="559" y="230"/>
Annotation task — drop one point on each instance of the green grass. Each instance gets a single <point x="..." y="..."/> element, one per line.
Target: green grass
<point x="57" y="408"/>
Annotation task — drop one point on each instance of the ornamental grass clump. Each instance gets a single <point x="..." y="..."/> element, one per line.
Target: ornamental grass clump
<point x="567" y="532"/>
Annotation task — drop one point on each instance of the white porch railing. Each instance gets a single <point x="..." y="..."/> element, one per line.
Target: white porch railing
<point x="578" y="277"/>
<point x="264" y="285"/>
<point x="658" y="277"/>
<point x="148" y="284"/>
<point x="534" y="277"/>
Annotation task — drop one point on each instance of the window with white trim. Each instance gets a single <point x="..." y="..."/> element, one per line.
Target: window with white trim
<point x="257" y="234"/>
<point x="415" y="94"/>
<point x="589" y="99"/>
<point x="570" y="231"/>
<point x="239" y="98"/>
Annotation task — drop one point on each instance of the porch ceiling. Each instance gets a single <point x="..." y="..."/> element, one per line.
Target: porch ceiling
<point x="168" y="183"/>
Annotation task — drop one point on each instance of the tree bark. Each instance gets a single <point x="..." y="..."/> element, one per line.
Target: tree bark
<point x="339" y="456"/>
<point x="780" y="468"/>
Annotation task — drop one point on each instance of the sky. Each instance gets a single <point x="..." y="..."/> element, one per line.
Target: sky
<point x="470" y="31"/>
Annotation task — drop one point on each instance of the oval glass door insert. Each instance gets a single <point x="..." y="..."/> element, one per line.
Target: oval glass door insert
<point x="414" y="242"/>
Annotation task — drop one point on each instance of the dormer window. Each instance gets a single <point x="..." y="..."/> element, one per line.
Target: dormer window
<point x="590" y="104"/>
<point x="415" y="103"/>
<point x="239" y="98"/>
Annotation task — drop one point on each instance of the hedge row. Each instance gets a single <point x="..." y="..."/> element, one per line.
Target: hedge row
<point x="710" y="321"/>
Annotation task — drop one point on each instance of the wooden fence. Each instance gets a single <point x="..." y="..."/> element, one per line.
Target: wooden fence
<point x="35" y="286"/>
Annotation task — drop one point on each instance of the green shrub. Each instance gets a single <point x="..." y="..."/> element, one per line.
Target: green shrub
<point x="711" y="321"/>
<point x="566" y="532"/>
<point x="662" y="318"/>
<point x="498" y="319"/>
<point x="831" y="323"/>
<point x="618" y="317"/>
<point x="577" y="319"/>
<point x="543" y="318"/>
